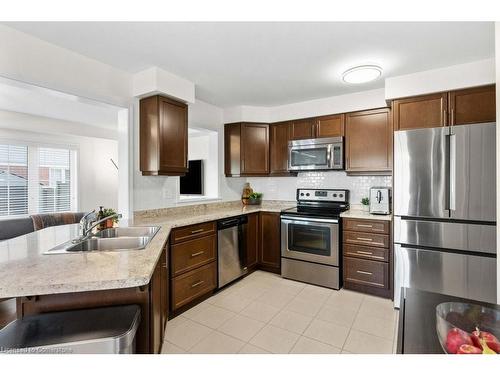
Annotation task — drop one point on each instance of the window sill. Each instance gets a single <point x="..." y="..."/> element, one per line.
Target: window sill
<point x="192" y="198"/>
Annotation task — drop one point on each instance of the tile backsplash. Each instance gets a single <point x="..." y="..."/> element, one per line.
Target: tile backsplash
<point x="284" y="188"/>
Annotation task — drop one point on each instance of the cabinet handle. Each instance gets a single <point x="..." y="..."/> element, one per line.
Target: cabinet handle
<point x="364" y="252"/>
<point x="197" y="284"/>
<point x="365" y="225"/>
<point x="364" y="239"/>
<point x="197" y="231"/>
<point x="452" y="115"/>
<point x="364" y="272"/>
<point x="196" y="254"/>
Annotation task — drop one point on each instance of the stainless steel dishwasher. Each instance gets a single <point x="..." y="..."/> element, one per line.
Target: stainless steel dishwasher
<point x="232" y="256"/>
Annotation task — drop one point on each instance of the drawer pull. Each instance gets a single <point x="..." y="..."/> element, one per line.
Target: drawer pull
<point x="365" y="225"/>
<point x="364" y="272"/>
<point x="364" y="239"/>
<point x="197" y="231"/>
<point x="197" y="284"/>
<point x="198" y="253"/>
<point x="364" y="252"/>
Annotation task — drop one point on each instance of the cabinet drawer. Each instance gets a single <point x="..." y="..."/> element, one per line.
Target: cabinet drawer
<point x="191" y="254"/>
<point x="193" y="231"/>
<point x="366" y="272"/>
<point x="366" y="252"/>
<point x="370" y="226"/>
<point x="368" y="239"/>
<point x="193" y="284"/>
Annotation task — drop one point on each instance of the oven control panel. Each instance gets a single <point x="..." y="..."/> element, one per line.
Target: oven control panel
<point x="323" y="195"/>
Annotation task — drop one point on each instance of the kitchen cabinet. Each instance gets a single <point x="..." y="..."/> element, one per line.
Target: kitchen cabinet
<point x="302" y="129"/>
<point x="163" y="136"/>
<point x="474" y="105"/>
<point x="368" y="140"/>
<point x="156" y="318"/>
<point x="246" y="149"/>
<point x="330" y="126"/>
<point x="252" y="240"/>
<point x="269" y="244"/>
<point x="279" y="137"/>
<point x="193" y="265"/>
<point x="367" y="256"/>
<point x="426" y="111"/>
<point x="458" y="107"/>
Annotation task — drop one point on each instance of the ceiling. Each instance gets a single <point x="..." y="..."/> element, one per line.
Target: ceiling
<point x="268" y="64"/>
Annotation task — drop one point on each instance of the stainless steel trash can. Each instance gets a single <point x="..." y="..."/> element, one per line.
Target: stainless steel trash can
<point x="107" y="330"/>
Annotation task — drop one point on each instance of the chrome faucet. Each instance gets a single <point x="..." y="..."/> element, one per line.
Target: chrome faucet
<point x="88" y="223"/>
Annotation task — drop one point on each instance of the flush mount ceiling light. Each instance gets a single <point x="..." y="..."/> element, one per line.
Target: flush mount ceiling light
<point x="362" y="74"/>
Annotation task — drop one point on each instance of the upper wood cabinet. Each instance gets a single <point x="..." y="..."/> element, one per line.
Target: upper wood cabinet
<point x="475" y="105"/>
<point x="330" y="126"/>
<point x="302" y="129"/>
<point x="427" y="111"/>
<point x="459" y="107"/>
<point x="369" y="142"/>
<point x="246" y="149"/>
<point x="279" y="133"/>
<point x="163" y="136"/>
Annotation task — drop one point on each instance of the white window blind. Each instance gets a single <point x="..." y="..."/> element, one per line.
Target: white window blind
<point x="13" y="180"/>
<point x="36" y="179"/>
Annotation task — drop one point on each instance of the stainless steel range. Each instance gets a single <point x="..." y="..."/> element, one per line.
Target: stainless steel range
<point x="310" y="237"/>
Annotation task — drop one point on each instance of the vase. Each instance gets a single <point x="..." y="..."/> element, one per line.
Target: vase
<point x="366" y="208"/>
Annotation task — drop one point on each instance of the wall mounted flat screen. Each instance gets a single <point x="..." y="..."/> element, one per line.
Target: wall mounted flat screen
<point x="192" y="182"/>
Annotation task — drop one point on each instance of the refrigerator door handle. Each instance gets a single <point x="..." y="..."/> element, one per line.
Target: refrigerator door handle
<point x="453" y="172"/>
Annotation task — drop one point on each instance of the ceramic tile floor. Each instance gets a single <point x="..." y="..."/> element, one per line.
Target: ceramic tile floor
<point x="264" y="313"/>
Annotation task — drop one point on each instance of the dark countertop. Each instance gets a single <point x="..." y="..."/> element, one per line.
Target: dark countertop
<point x="417" y="321"/>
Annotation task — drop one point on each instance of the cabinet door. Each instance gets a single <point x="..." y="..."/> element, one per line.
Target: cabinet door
<point x="279" y="147"/>
<point x="473" y="106"/>
<point x="427" y="111"/>
<point x="232" y="149"/>
<point x="302" y="129"/>
<point x="173" y="136"/>
<point x="252" y="239"/>
<point x="254" y="149"/>
<point x="369" y="141"/>
<point x="164" y="290"/>
<point x="155" y="328"/>
<point x="269" y="244"/>
<point x="330" y="126"/>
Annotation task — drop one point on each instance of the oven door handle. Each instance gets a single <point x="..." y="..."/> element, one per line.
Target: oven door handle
<point x="292" y="219"/>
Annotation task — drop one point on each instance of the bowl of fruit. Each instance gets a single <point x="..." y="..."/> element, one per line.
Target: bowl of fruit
<point x="464" y="328"/>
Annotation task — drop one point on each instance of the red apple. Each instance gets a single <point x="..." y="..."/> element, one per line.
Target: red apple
<point x="488" y="337"/>
<point x="455" y="338"/>
<point x="468" y="349"/>
<point x="495" y="346"/>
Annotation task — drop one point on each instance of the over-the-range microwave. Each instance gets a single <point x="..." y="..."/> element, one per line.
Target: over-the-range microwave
<point x="316" y="154"/>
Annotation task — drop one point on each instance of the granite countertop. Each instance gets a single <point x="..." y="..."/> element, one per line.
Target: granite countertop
<point x="26" y="271"/>
<point x="355" y="213"/>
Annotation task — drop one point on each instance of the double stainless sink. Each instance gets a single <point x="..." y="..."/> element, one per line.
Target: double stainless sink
<point x="126" y="238"/>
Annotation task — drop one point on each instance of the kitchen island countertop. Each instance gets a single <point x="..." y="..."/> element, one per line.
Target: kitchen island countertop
<point x="26" y="271"/>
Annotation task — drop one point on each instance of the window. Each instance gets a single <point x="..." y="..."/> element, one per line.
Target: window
<point x="36" y="179"/>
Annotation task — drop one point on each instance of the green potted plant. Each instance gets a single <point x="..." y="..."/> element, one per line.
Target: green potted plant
<point x="110" y="222"/>
<point x="366" y="203"/>
<point x="255" y="198"/>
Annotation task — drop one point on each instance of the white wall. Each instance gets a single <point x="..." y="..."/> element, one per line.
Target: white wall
<point x="476" y="73"/>
<point x="97" y="177"/>
<point x="497" y="65"/>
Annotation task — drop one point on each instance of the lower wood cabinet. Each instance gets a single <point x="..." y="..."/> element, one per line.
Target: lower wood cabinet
<point x="367" y="256"/>
<point x="193" y="264"/>
<point x="252" y="240"/>
<point x="270" y="242"/>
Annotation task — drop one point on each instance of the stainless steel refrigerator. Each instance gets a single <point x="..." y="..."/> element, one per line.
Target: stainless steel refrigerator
<point x="445" y="211"/>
